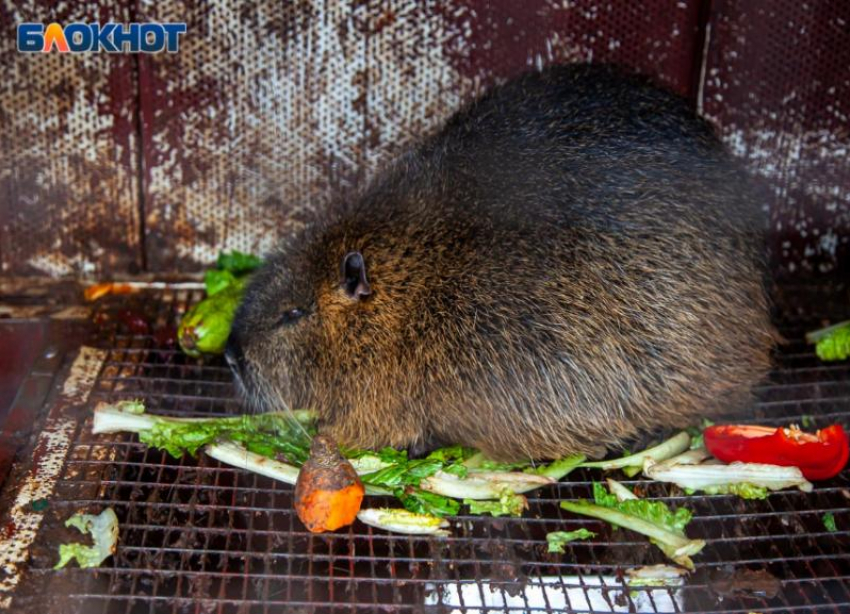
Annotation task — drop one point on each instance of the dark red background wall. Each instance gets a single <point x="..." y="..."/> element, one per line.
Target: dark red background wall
<point x="117" y="164"/>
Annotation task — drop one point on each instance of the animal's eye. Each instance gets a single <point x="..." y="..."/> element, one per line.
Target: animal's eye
<point x="291" y="316"/>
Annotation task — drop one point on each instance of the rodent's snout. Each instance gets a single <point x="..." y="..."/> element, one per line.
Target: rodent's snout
<point x="234" y="355"/>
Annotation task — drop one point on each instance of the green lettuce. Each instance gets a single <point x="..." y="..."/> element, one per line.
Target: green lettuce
<point x="103" y="529"/>
<point x="558" y="469"/>
<point x="271" y="434"/>
<point x="829" y="522"/>
<point x="422" y="502"/>
<point x="237" y="262"/>
<point x="633" y="463"/>
<point x="664" y="527"/>
<point x="215" y="281"/>
<point x="558" y="539"/>
<point x="741" y="489"/>
<point x="508" y="504"/>
<point x="832" y="342"/>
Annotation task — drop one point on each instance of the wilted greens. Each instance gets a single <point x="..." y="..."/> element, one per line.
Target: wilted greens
<point x="509" y="504"/>
<point x="558" y="539"/>
<point x="433" y="485"/>
<point x="832" y="342"/>
<point x="664" y="527"/>
<point x="103" y="529"/>
<point x="829" y="522"/>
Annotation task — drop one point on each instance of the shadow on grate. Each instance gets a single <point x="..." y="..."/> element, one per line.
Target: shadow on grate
<point x="199" y="537"/>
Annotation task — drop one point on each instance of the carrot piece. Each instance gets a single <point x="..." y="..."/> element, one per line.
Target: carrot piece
<point x="96" y="291"/>
<point x="328" y="492"/>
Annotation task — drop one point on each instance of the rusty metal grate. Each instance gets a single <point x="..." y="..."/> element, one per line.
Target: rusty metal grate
<point x="197" y="537"/>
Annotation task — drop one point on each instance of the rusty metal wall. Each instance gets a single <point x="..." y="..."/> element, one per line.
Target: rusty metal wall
<point x="777" y="83"/>
<point x="69" y="192"/>
<point x="270" y="108"/>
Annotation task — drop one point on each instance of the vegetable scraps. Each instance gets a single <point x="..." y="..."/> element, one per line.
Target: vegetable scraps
<point x="747" y="480"/>
<point x="328" y="492"/>
<point x="509" y="504"/>
<point x="819" y="456"/>
<point x="103" y="529"/>
<point x="286" y="434"/>
<point x="204" y="329"/>
<point x="664" y="527"/>
<point x="829" y="522"/>
<point x="404" y="521"/>
<point x="556" y="540"/>
<point x="277" y="444"/>
<point x="666" y="449"/>
<point x="833" y="342"/>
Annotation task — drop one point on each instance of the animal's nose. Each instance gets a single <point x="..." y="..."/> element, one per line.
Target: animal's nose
<point x="233" y="354"/>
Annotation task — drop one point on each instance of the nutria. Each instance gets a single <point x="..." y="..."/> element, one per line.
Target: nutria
<point x="570" y="261"/>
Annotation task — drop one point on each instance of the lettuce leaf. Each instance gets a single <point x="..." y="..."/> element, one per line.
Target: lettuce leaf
<point x="215" y="281"/>
<point x="558" y="539"/>
<point x="508" y="504"/>
<point x="103" y="529"/>
<point x="422" y="502"/>
<point x="655" y="512"/>
<point x="404" y="521"/>
<point x="664" y="527"/>
<point x="741" y="489"/>
<point x="634" y="462"/>
<point x="266" y="434"/>
<point x="558" y="469"/>
<point x="237" y="262"/>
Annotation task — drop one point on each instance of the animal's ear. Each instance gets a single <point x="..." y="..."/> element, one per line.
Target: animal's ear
<point x="354" y="282"/>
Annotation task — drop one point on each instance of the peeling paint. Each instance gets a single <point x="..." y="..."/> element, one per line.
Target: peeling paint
<point x="68" y="174"/>
<point x="83" y="373"/>
<point x="268" y="111"/>
<point x="74" y="312"/>
<point x="777" y="89"/>
<point x="51" y="449"/>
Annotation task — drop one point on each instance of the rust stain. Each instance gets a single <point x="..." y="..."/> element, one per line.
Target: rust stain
<point x="51" y="449"/>
<point x="777" y="84"/>
<point x="267" y="112"/>
<point x="67" y="175"/>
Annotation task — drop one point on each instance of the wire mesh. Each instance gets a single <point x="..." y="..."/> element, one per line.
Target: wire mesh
<point x="200" y="537"/>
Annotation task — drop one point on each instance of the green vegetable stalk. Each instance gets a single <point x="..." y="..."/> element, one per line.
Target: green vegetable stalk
<point x="665" y="528"/>
<point x="271" y="434"/>
<point x="559" y="469"/>
<point x="508" y="504"/>
<point x="832" y="342"/>
<point x="276" y="444"/>
<point x="666" y="449"/>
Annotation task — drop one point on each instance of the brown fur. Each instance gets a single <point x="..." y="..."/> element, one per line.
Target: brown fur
<point x="571" y="261"/>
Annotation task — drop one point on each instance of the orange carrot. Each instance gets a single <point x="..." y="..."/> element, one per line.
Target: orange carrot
<point x="96" y="291"/>
<point x="328" y="492"/>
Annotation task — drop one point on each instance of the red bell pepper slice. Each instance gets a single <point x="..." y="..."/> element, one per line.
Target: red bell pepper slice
<point x="819" y="456"/>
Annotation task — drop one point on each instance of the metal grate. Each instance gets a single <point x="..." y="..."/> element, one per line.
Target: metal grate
<point x="197" y="537"/>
